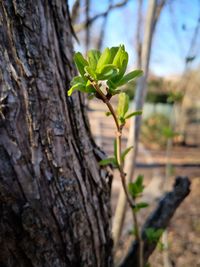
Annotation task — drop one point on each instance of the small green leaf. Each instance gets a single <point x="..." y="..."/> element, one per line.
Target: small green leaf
<point x="106" y="72"/>
<point x="126" y="152"/>
<point x="140" y="206"/>
<point x="79" y="87"/>
<point x="90" y="88"/>
<point x="104" y="59"/>
<point x="93" y="58"/>
<point x="153" y="235"/>
<point x="113" y="52"/>
<point x="78" y="79"/>
<point x="139" y="182"/>
<point x="81" y="63"/>
<point x="135" y="113"/>
<point x="107" y="161"/>
<point x="137" y="187"/>
<point x="120" y="61"/>
<point x="133" y="190"/>
<point x="123" y="105"/>
<point x="112" y="86"/>
<point x="130" y="76"/>
<point x="90" y="72"/>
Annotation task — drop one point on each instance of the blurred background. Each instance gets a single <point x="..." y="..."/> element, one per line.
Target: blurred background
<point x="162" y="38"/>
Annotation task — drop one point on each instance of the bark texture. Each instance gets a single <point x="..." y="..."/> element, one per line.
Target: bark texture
<point x="54" y="198"/>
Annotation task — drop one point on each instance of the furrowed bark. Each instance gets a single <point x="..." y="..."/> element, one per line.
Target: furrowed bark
<point x="158" y="220"/>
<point x="54" y="198"/>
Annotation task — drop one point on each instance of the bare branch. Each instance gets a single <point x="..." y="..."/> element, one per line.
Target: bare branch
<point x="159" y="219"/>
<point x="81" y="26"/>
<point x="87" y="27"/>
<point x="75" y="11"/>
<point x="159" y="8"/>
<point x="103" y="28"/>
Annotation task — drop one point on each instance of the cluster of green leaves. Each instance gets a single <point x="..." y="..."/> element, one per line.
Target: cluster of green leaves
<point x="109" y="66"/>
<point x="136" y="189"/>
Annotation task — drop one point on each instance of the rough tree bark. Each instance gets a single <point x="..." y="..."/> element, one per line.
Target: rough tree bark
<point x="54" y="198"/>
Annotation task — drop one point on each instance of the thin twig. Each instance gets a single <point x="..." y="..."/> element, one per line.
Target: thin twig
<point x="82" y="26"/>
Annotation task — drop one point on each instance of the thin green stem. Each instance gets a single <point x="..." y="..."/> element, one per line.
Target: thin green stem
<point x="130" y="200"/>
<point x="138" y="238"/>
<point x="118" y="141"/>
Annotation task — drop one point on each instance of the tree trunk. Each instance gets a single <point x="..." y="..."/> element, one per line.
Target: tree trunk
<point x="54" y="198"/>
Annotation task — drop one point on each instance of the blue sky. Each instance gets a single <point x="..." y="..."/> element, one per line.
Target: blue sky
<point x="171" y="40"/>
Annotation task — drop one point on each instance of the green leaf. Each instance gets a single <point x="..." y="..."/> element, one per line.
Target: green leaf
<point x="93" y="58"/>
<point x="120" y="61"/>
<point x="130" y="76"/>
<point x="112" y="86"/>
<point x="81" y="63"/>
<point x="90" y="88"/>
<point x="104" y="59"/>
<point x="123" y="105"/>
<point x="89" y="71"/>
<point x="153" y="235"/>
<point x="126" y="152"/>
<point x="113" y="52"/>
<point x="133" y="190"/>
<point x="107" y="161"/>
<point x="140" y="206"/>
<point x="78" y="79"/>
<point x="79" y="87"/>
<point x="135" y="113"/>
<point x="78" y="83"/>
<point x="137" y="187"/>
<point x="106" y="72"/>
<point x="139" y="183"/>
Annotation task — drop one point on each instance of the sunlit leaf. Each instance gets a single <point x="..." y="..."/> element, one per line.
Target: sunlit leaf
<point x="125" y="152"/>
<point x="79" y="87"/>
<point x="130" y="76"/>
<point x="90" y="72"/>
<point x="104" y="59"/>
<point x="81" y="63"/>
<point x="106" y="72"/>
<point x="140" y="206"/>
<point x="93" y="58"/>
<point x="153" y="235"/>
<point x="135" y="113"/>
<point x="107" y="161"/>
<point x="123" y="105"/>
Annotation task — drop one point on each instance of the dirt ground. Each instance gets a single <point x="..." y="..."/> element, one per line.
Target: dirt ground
<point x="184" y="228"/>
